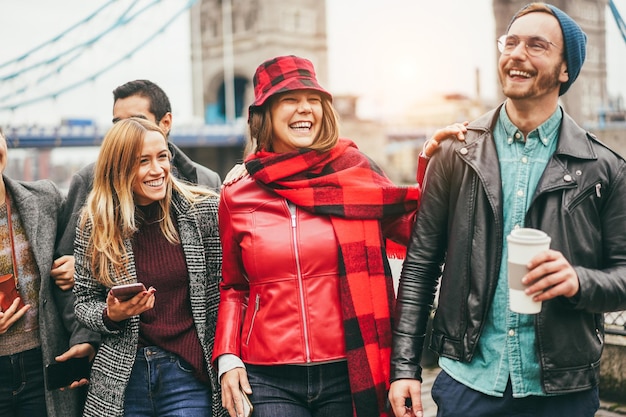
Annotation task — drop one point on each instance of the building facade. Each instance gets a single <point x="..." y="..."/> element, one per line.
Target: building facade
<point x="259" y="30"/>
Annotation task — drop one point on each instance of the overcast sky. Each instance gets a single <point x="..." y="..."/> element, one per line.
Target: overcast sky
<point x="389" y="52"/>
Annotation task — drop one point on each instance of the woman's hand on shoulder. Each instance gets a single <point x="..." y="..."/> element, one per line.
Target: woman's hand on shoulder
<point x="457" y="130"/>
<point x="235" y="174"/>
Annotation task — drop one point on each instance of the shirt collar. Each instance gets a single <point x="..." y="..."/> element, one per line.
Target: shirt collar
<point x="545" y="133"/>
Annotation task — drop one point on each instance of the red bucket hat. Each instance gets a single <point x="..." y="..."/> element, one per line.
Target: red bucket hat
<point x="281" y="74"/>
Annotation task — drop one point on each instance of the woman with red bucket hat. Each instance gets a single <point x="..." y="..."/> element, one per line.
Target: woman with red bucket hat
<point x="304" y="322"/>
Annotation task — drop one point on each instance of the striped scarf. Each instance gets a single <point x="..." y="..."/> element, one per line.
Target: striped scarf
<point x="349" y="188"/>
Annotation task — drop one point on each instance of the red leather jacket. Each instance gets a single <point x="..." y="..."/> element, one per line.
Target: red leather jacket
<point x="279" y="300"/>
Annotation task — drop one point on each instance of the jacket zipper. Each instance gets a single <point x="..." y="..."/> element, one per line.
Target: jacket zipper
<point x="292" y="210"/>
<point x="596" y="188"/>
<point x="257" y="306"/>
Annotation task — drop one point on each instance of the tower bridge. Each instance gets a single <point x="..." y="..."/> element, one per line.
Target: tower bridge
<point x="228" y="38"/>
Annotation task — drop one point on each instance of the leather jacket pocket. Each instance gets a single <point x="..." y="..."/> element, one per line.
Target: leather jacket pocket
<point x="257" y="306"/>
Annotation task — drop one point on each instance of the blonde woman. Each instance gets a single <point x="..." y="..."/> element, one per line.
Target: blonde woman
<point x="142" y="225"/>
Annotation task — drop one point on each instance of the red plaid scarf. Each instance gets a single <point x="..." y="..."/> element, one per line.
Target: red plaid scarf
<point x="346" y="186"/>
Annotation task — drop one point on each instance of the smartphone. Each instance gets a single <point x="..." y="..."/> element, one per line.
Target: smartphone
<point x="127" y="291"/>
<point x="62" y="374"/>
<point x="247" y="404"/>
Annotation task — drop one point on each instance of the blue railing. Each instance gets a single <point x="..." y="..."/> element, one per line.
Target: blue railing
<point x="91" y="135"/>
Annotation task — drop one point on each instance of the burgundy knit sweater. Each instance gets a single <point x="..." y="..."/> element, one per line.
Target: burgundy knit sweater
<point x="169" y="325"/>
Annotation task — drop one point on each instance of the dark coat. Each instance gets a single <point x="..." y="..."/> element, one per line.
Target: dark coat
<point x="39" y="204"/>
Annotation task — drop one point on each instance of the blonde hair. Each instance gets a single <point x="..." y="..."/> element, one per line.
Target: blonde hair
<point x="110" y="207"/>
<point x="260" y="127"/>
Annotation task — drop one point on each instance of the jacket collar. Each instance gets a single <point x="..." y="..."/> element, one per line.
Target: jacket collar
<point x="573" y="140"/>
<point x="479" y="151"/>
<point x="182" y="166"/>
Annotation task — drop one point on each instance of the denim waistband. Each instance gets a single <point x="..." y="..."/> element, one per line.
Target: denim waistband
<point x="155" y="352"/>
<point x="34" y="353"/>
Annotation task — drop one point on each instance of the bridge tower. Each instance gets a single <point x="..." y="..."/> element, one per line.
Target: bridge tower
<point x="261" y="29"/>
<point x="588" y="96"/>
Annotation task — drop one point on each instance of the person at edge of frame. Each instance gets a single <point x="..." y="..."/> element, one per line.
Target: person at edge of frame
<point x="524" y="164"/>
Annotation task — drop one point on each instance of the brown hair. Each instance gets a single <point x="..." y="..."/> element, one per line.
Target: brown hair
<point x="531" y="8"/>
<point x="260" y="127"/>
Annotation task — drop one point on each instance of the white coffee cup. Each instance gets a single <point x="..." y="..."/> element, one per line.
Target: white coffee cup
<point x="523" y="245"/>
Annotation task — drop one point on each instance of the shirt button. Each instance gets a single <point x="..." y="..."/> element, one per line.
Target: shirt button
<point x="517" y="135"/>
<point x="511" y="332"/>
<point x="567" y="178"/>
<point x="524" y="160"/>
<point x="520" y="193"/>
<point x="510" y="140"/>
<point x="463" y="151"/>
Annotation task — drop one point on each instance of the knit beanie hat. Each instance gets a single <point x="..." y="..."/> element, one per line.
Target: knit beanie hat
<point x="575" y="43"/>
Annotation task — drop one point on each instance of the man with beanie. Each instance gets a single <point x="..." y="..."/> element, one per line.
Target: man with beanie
<point x="525" y="164"/>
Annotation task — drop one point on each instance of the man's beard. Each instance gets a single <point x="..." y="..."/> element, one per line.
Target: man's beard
<point x="542" y="84"/>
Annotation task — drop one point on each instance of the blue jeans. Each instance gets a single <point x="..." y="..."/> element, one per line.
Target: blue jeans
<point x="161" y="384"/>
<point x="455" y="399"/>
<point x="22" y="389"/>
<point x="300" y="391"/>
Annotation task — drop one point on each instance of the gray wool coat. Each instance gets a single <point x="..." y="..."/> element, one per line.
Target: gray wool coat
<point x="199" y="236"/>
<point x="39" y="204"/>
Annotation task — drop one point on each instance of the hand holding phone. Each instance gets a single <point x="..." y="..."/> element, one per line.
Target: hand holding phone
<point x="127" y="291"/>
<point x="62" y="374"/>
<point x="247" y="404"/>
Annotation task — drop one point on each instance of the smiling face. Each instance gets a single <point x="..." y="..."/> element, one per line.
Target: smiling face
<point x="296" y="120"/>
<point x="153" y="173"/>
<point x="526" y="77"/>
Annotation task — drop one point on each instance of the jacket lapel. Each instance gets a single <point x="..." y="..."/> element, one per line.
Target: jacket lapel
<point x="193" y="249"/>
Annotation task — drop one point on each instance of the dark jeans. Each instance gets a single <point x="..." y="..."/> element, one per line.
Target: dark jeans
<point x="455" y="399"/>
<point x="161" y="384"/>
<point x="300" y="390"/>
<point x="22" y="389"/>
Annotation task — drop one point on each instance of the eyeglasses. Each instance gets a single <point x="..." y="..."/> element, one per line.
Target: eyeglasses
<point x="535" y="45"/>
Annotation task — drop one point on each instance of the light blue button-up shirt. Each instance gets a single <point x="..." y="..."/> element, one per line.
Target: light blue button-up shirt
<point x="506" y="348"/>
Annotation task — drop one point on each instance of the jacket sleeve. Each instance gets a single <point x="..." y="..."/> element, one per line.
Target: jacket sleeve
<point x="80" y="187"/>
<point x="602" y="289"/>
<point x="208" y="177"/>
<point x="421" y="272"/>
<point x="234" y="289"/>
<point x="90" y="294"/>
<point x="422" y="164"/>
<point x="66" y="233"/>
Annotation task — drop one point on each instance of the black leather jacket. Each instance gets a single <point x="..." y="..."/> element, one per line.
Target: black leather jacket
<point x="580" y="202"/>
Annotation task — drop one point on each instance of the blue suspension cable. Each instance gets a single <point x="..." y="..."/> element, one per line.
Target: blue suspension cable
<point x="120" y="21"/>
<point x="618" y="19"/>
<point x="59" y="36"/>
<point x="95" y="75"/>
